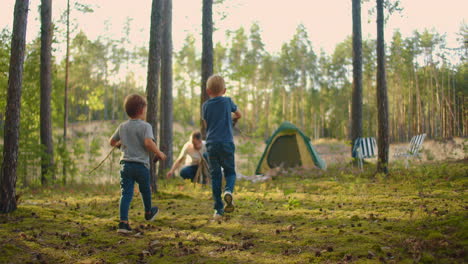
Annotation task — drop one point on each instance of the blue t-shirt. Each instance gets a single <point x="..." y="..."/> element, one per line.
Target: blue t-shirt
<point x="217" y="114"/>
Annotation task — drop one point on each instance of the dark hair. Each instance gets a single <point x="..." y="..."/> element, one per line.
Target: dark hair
<point x="196" y="135"/>
<point x="134" y="104"/>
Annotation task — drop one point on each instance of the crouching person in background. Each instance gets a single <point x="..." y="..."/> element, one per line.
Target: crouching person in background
<point x="195" y="167"/>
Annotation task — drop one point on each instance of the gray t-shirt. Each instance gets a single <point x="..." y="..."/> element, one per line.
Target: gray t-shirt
<point x="132" y="134"/>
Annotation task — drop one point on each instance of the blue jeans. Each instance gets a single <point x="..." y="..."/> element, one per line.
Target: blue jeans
<point x="221" y="155"/>
<point x="130" y="173"/>
<point x="189" y="172"/>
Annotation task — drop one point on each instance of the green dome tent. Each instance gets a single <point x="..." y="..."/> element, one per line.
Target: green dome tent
<point x="289" y="147"/>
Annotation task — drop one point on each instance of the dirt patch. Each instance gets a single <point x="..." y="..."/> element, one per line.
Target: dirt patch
<point x="334" y="151"/>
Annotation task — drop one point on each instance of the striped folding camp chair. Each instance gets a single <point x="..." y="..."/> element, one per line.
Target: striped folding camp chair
<point x="413" y="150"/>
<point x="364" y="148"/>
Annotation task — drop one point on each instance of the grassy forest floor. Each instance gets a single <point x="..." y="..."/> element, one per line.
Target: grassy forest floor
<point x="337" y="216"/>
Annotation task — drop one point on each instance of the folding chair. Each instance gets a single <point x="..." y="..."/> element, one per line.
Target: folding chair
<point x="364" y="148"/>
<point x="413" y="150"/>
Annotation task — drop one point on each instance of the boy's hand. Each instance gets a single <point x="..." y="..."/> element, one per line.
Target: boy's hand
<point x="236" y="116"/>
<point x="169" y="174"/>
<point x="115" y="143"/>
<point x="161" y="156"/>
<point x="234" y="121"/>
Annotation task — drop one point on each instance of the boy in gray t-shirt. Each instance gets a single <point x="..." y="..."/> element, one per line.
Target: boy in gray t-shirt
<point x="136" y="140"/>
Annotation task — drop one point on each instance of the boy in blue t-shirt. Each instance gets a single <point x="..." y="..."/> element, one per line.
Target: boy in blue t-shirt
<point x="216" y="113"/>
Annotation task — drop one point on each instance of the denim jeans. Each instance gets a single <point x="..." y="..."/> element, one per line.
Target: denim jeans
<point x="189" y="172"/>
<point x="130" y="173"/>
<point x="221" y="155"/>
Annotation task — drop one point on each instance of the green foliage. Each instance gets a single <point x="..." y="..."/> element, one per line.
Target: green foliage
<point x="311" y="90"/>
<point x="94" y="149"/>
<point x="186" y="82"/>
<point x="292" y="203"/>
<point x="1" y="153"/>
<point x="180" y="138"/>
<point x="429" y="154"/>
<point x="249" y="153"/>
<point x="4" y="68"/>
<point x="79" y="148"/>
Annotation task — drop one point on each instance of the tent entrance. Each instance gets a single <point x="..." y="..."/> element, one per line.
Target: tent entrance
<point x="288" y="147"/>
<point x="284" y="152"/>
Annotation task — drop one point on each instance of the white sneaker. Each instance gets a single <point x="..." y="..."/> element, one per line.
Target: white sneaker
<point x="217" y="217"/>
<point x="229" y="207"/>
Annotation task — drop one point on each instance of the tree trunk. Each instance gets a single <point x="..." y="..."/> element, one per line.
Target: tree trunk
<point x="356" y="109"/>
<point x="65" y="101"/>
<point x="207" y="54"/>
<point x="47" y="158"/>
<point x="410" y="111"/>
<point x="382" y="99"/>
<point x="166" y="88"/>
<point x="152" y="85"/>
<point x="419" y="114"/>
<point x="12" y="113"/>
<point x="267" y="95"/>
<point x="302" y="90"/>
<point x="284" y="102"/>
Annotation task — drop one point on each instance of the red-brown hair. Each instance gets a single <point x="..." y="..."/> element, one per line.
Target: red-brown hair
<point x="134" y="104"/>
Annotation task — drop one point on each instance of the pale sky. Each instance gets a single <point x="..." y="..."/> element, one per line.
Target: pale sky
<point x="328" y="21"/>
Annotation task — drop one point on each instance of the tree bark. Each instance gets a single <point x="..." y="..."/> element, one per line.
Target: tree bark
<point x="419" y="114"/>
<point x="47" y="158"/>
<point x="356" y="109"/>
<point x="12" y="113"/>
<point x="382" y="98"/>
<point x="207" y="54"/>
<point x="152" y="85"/>
<point x="65" y="100"/>
<point x="166" y="88"/>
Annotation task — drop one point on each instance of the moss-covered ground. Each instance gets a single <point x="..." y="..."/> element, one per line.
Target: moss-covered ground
<point x="416" y="215"/>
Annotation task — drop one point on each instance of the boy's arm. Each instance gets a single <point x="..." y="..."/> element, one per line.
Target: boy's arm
<point x="204" y="114"/>
<point x="151" y="146"/>
<point x="114" y="140"/>
<point x="236" y="115"/>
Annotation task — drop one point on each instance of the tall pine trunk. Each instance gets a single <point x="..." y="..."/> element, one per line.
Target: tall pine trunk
<point x="47" y="159"/>
<point x="166" y="88"/>
<point x="356" y="109"/>
<point x="382" y="98"/>
<point x="419" y="114"/>
<point x="152" y="85"/>
<point x="207" y="53"/>
<point x="12" y="113"/>
<point x="65" y="101"/>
